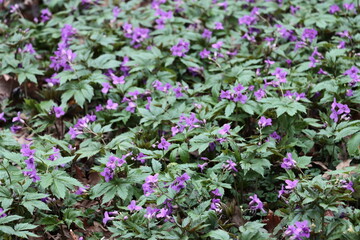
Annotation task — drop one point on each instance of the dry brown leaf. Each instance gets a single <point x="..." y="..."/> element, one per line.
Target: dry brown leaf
<point x="321" y="164"/>
<point x="7" y="84"/>
<point x="271" y="221"/>
<point x="343" y="164"/>
<point x="94" y="178"/>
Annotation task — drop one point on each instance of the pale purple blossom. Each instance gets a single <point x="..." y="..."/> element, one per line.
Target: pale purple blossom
<point x="45" y="15"/>
<point x="263" y="122"/>
<point x="288" y="162"/>
<point x="298" y="231"/>
<point x="225" y="129"/>
<point x="105" y="87"/>
<point x="110" y="105"/>
<point x="256" y="203"/>
<point x="181" y="48"/>
<point x="218" y="26"/>
<point x="58" y="112"/>
<point x="133" y="207"/>
<point x="164" y="144"/>
<point x="291" y="184"/>
<point x="230" y="165"/>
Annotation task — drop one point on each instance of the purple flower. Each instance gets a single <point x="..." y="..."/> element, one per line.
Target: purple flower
<point x="217" y="45"/>
<point x="66" y="32"/>
<point x="32" y="174"/>
<point x="206" y="34"/>
<point x="53" y="80"/>
<point x="225" y="129"/>
<point x="256" y="204"/>
<point x="178" y="92"/>
<point x="139" y="35"/>
<point x="2" y="213"/>
<point x="18" y="118"/>
<point x="347" y="185"/>
<point x="282" y="191"/>
<point x="99" y="108"/>
<point x="216" y="193"/>
<point x="349" y="6"/>
<point x="107" y="218"/>
<point x="133" y="207"/>
<point x="218" y="26"/>
<point x="280" y="74"/>
<point x="141" y="158"/>
<point x="309" y="34"/>
<point x="334" y="8"/>
<point x="288" y="162"/>
<point x="62" y="59"/>
<point x="291" y="184"/>
<point x="26" y="151"/>
<point x="55" y="155"/>
<point x="131" y="107"/>
<point x="58" y="112"/>
<point x="15" y="129"/>
<point x="106" y="87"/>
<point x="230" y="166"/>
<point x="164" y="144"/>
<point x="150" y="212"/>
<point x="259" y="94"/>
<point x="164" y="213"/>
<point x="2" y="117"/>
<point x="215" y="205"/>
<point x="263" y="122"/>
<point x="339" y="109"/>
<point x="202" y="166"/>
<point x="45" y="15"/>
<point x="110" y="105"/>
<point x="117" y="80"/>
<point x="180" y="48"/>
<point x="298" y="231"/>
<point x="29" y="48"/>
<point x="116" y="11"/>
<point x="108" y="174"/>
<point x="275" y="135"/>
<point x="81" y="191"/>
<point x="204" y="53"/>
<point x="247" y="20"/>
<point x="150" y="184"/>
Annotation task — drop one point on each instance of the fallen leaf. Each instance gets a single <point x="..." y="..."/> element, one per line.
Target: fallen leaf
<point x="321" y="164"/>
<point x="271" y="221"/>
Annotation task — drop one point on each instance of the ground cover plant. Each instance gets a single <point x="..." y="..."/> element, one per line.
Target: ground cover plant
<point x="183" y="119"/>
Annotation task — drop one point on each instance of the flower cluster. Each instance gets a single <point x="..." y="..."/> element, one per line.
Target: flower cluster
<point x="64" y="56"/>
<point x="137" y="35"/>
<point x="189" y="122"/>
<point x="298" y="231"/>
<point x="338" y="109"/>
<point x="235" y="95"/>
<point x="288" y="162"/>
<point x="150" y="184"/>
<point x="215" y="201"/>
<point x="82" y="123"/>
<point x="31" y="171"/>
<point x="179" y="182"/>
<point x="111" y="165"/>
<point x="180" y="48"/>
<point x="256" y="203"/>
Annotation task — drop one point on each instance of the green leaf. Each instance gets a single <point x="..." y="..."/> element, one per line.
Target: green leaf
<point x="156" y="165"/>
<point x="303" y="161"/>
<point x="353" y="145"/>
<point x="218" y="234"/>
<point x="229" y="108"/>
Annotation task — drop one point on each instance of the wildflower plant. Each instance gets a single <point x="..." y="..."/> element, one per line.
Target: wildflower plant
<point x="217" y="119"/>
